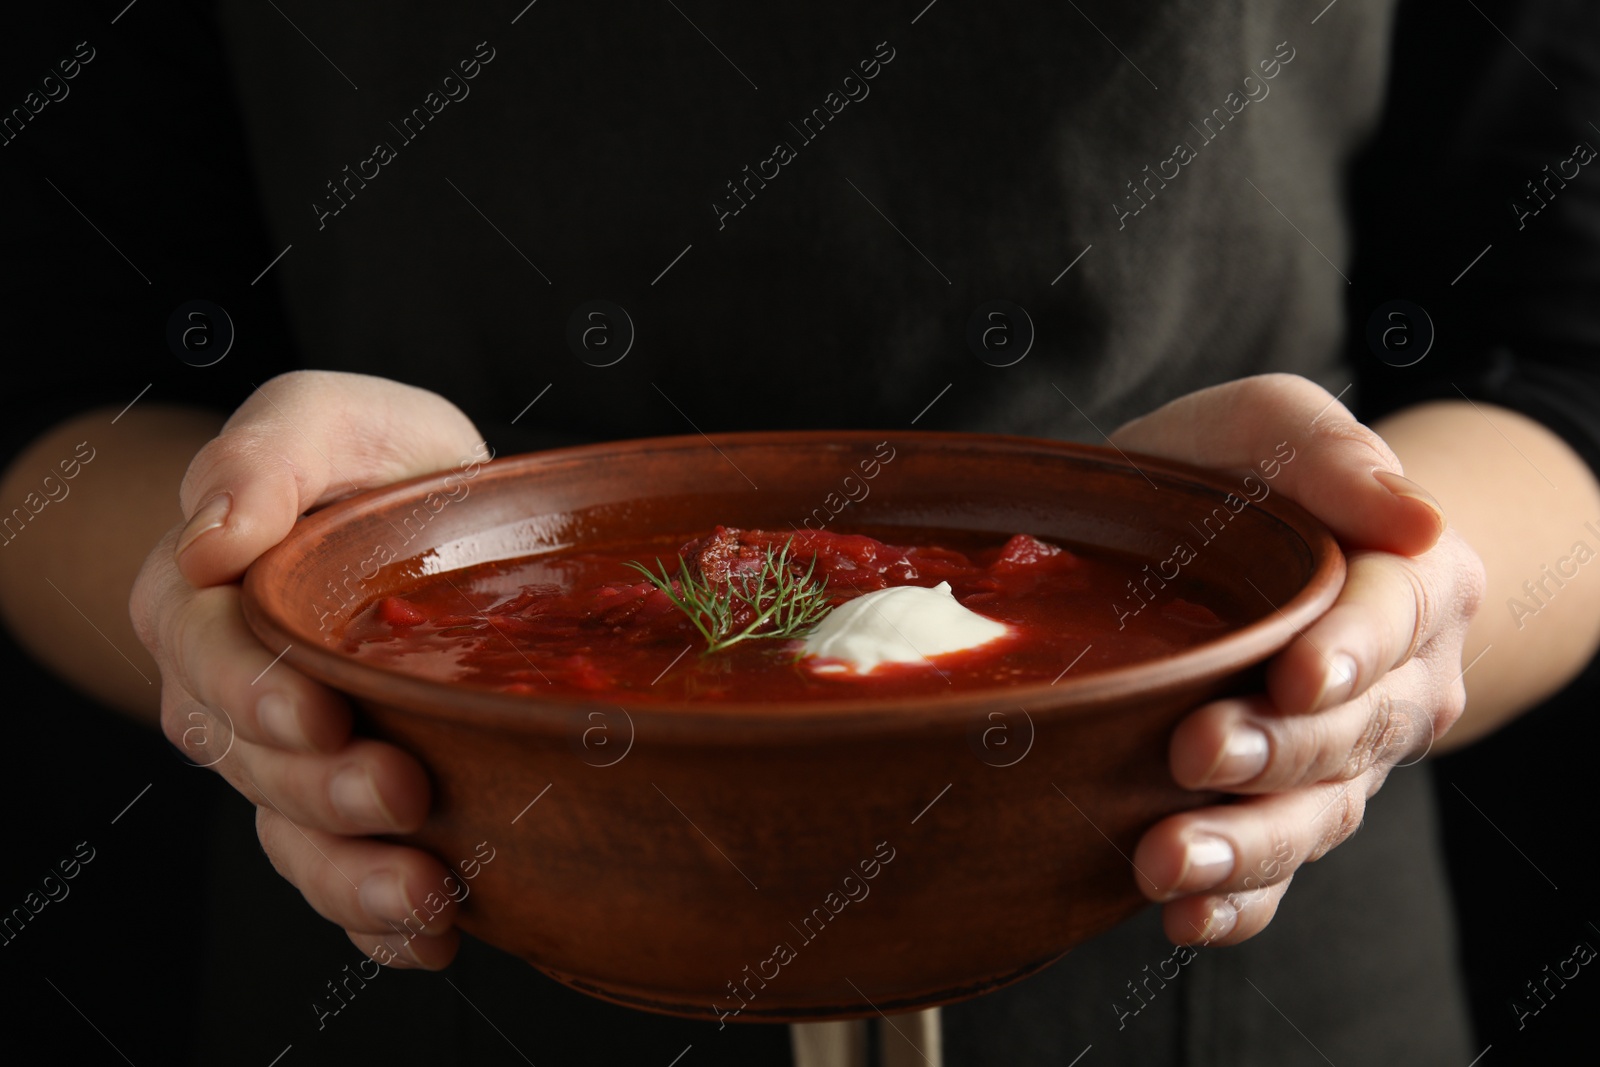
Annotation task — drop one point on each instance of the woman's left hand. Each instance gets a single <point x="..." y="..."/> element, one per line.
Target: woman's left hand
<point x="1368" y="686"/>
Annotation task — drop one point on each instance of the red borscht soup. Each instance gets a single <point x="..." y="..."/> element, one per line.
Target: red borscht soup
<point x="586" y="622"/>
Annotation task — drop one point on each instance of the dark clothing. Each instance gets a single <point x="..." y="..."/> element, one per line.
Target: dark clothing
<point x="801" y="220"/>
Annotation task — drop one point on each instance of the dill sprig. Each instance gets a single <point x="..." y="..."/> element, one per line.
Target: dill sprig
<point x="789" y="604"/>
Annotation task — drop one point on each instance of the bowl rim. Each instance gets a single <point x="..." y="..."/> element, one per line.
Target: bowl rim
<point x="1207" y="662"/>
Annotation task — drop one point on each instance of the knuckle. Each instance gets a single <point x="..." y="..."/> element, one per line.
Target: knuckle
<point x="212" y="455"/>
<point x="1454" y="703"/>
<point x="1275" y="385"/>
<point x="269" y="825"/>
<point x="1251" y="899"/>
<point x="197" y="638"/>
<point x="246" y="443"/>
<point x="270" y="398"/>
<point x="1323" y="758"/>
<point x="175" y="707"/>
<point x="200" y="736"/>
<point x="295" y="379"/>
<point x="1342" y="819"/>
<point x="1472" y="582"/>
<point x="1385" y="732"/>
<point x="1293" y="762"/>
<point x="1425" y="608"/>
<point x="143" y="605"/>
<point x="178" y="633"/>
<point x="153" y="593"/>
<point x="1348" y="432"/>
<point x="252" y="441"/>
<point x="1394" y="729"/>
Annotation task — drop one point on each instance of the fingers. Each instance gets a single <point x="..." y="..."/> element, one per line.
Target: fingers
<point x="210" y="655"/>
<point x="1389" y="609"/>
<point x="1400" y="621"/>
<point x="367" y="787"/>
<point x="381" y="894"/>
<point x="404" y="951"/>
<point x="1376" y="678"/>
<point x="1239" y="857"/>
<point x="301" y="439"/>
<point x="1291" y="431"/>
<point x="1242" y="746"/>
<point x="279" y="738"/>
<point x="1215" y="920"/>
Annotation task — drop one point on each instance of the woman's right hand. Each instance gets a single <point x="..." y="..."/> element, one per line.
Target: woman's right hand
<point x="282" y="740"/>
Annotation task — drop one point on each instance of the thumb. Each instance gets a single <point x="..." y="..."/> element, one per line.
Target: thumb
<point x="1290" y="432"/>
<point x="304" y="439"/>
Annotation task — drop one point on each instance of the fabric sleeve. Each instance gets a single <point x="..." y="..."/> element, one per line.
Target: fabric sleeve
<point x="1469" y="164"/>
<point x="1479" y="202"/>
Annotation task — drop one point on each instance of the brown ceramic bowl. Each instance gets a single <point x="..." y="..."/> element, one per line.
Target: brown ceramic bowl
<point x="699" y="859"/>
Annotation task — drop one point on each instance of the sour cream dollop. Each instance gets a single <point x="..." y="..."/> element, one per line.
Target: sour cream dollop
<point x="902" y="624"/>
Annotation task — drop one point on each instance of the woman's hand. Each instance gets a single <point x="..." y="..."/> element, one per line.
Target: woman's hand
<point x="280" y="739"/>
<point x="1369" y="685"/>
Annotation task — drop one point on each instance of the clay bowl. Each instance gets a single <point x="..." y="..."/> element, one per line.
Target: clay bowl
<point x="806" y="860"/>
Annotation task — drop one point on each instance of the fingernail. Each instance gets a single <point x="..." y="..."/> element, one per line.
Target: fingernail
<point x="1401" y="486"/>
<point x="280" y="722"/>
<point x="383" y="896"/>
<point x="356" y="798"/>
<point x="1244" y="755"/>
<point x="1338" y="681"/>
<point x="1220" y="922"/>
<point x="212" y="514"/>
<point x="1207" y="860"/>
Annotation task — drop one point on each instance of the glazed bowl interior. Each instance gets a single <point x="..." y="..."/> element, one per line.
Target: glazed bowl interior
<point x="690" y="867"/>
